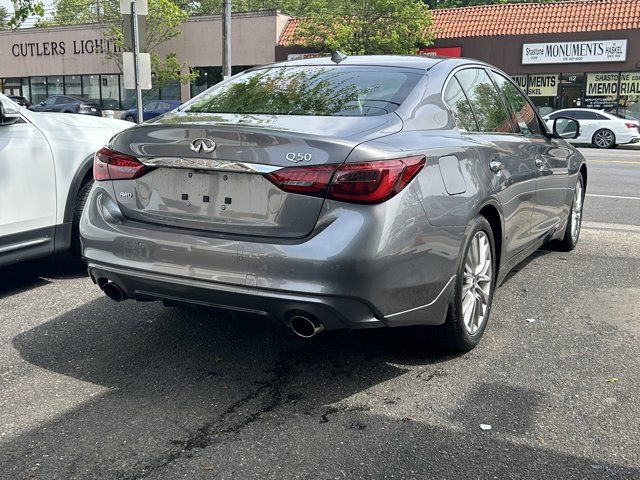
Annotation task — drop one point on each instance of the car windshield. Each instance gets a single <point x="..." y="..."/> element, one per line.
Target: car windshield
<point x="311" y="90"/>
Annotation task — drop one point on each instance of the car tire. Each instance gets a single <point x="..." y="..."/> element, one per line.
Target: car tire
<point x="474" y="286"/>
<point x="574" y="222"/>
<point x="83" y="194"/>
<point x="603" y="138"/>
<point x="129" y="118"/>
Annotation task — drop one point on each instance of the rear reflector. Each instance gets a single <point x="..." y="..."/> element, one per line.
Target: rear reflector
<point x="111" y="165"/>
<point x="367" y="182"/>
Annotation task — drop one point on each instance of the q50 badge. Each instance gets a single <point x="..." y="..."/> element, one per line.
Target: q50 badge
<point x="298" y="157"/>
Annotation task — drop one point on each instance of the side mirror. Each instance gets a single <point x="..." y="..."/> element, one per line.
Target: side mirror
<point x="566" y="128"/>
<point x="6" y="118"/>
<point x="41" y="104"/>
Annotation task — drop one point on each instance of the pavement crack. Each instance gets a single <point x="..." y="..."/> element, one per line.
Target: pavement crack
<point x="207" y="434"/>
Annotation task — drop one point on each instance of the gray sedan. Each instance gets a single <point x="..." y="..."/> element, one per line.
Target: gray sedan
<point x="358" y="192"/>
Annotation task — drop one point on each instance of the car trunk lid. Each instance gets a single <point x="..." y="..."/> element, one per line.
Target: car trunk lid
<point x="209" y="169"/>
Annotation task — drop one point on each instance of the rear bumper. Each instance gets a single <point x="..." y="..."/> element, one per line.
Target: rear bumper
<point x="362" y="267"/>
<point x="278" y="306"/>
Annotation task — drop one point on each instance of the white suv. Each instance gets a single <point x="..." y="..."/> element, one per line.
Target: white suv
<point x="45" y="176"/>
<point x="599" y="128"/>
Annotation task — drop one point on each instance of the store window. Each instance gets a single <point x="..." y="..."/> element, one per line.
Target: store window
<point x="629" y="101"/>
<point x="55" y="85"/>
<point x="91" y="87"/>
<point x="601" y="91"/>
<point x="26" y="89"/>
<point x="10" y="86"/>
<point x="207" y="77"/>
<point x="110" y="92"/>
<point x="38" y="89"/>
<point x="488" y="107"/>
<point x="73" y="85"/>
<point x="170" y="91"/>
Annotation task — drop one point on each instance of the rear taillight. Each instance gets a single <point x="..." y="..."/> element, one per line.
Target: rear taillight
<point x="111" y="165"/>
<point x="367" y="182"/>
<point x="305" y="180"/>
<point x="631" y="125"/>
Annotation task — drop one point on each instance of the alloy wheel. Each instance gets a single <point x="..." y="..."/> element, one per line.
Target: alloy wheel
<point x="603" y="138"/>
<point x="576" y="212"/>
<point x="477" y="283"/>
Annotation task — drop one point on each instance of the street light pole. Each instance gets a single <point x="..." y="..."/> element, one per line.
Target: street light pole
<point x="136" y="60"/>
<point x="226" y="40"/>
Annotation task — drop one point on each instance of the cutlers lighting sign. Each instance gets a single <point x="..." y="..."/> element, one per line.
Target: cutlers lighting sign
<point x="574" y="52"/>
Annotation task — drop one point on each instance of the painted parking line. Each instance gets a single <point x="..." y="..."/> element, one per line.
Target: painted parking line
<point x="612" y="196"/>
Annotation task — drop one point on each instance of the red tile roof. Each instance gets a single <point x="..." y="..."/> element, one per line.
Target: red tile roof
<point x="524" y="19"/>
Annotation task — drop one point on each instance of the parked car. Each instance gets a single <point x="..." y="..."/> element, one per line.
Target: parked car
<point x="151" y="109"/>
<point x="23" y="102"/>
<point x="68" y="104"/>
<point x="46" y="174"/>
<point x="599" y="128"/>
<point x="381" y="192"/>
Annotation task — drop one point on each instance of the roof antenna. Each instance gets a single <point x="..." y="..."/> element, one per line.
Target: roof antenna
<point x="337" y="57"/>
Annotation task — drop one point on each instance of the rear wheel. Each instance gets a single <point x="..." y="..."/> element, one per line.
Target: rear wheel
<point x="129" y="118"/>
<point x="81" y="199"/>
<point x="574" y="222"/>
<point x="470" y="303"/>
<point x="604" y="138"/>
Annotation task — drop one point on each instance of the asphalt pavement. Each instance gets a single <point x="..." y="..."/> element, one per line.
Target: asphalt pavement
<point x="91" y="389"/>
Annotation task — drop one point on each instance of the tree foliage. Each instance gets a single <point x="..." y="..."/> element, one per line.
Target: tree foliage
<point x="163" y="23"/>
<point x="365" y="26"/>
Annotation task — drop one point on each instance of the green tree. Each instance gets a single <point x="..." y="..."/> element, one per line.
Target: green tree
<point x="4" y="17"/>
<point x="365" y="26"/>
<point x="163" y="23"/>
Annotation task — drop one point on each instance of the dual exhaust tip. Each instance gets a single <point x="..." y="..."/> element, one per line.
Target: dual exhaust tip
<point x="302" y="324"/>
<point x="113" y="291"/>
<point x="305" y="326"/>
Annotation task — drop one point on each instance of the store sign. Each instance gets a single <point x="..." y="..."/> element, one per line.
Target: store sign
<point x="574" y="52"/>
<point x="75" y="47"/>
<point x="602" y="89"/>
<point x="441" y="51"/>
<point x="540" y="85"/>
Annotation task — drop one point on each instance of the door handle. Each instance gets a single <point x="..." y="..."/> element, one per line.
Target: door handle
<point x="539" y="163"/>
<point x="496" y="166"/>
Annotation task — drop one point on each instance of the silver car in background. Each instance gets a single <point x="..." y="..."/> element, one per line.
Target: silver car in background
<point x="373" y="191"/>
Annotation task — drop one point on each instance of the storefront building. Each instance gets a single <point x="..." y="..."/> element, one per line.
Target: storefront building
<point x="565" y="54"/>
<point x="77" y="60"/>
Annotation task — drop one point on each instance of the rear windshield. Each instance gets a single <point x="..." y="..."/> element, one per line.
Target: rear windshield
<point x="311" y="90"/>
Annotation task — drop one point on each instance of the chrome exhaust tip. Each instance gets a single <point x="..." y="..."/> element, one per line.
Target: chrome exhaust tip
<point x="305" y="327"/>
<point x="113" y="291"/>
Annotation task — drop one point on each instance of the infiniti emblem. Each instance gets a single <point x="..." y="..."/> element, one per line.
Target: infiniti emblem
<point x="205" y="145"/>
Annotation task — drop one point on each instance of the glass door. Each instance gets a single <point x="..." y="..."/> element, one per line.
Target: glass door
<point x="571" y="90"/>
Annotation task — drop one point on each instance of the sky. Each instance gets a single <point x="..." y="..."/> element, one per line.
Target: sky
<point x="9" y="5"/>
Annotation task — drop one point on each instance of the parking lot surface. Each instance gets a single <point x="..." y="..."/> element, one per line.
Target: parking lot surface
<point x="94" y="389"/>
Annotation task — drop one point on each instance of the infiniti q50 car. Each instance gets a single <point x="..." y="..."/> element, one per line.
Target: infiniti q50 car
<point x="372" y="191"/>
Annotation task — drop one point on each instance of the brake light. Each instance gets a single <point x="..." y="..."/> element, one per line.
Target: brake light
<point x="112" y="165"/>
<point x="631" y="125"/>
<point x="305" y="180"/>
<point x="367" y="182"/>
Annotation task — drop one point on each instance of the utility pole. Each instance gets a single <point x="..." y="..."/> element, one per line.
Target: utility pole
<point x="226" y="40"/>
<point x="136" y="61"/>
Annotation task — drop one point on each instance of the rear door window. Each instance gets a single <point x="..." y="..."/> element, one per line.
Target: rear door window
<point x="525" y="115"/>
<point x="311" y="90"/>
<point x="584" y="115"/>
<point x="457" y="102"/>
<point x="487" y="104"/>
